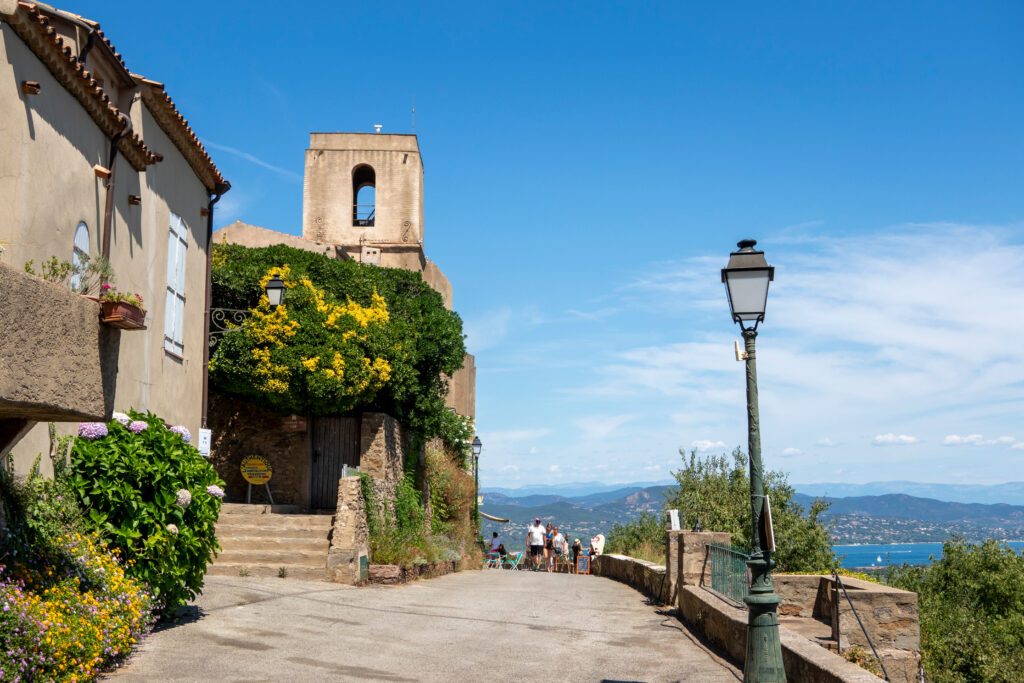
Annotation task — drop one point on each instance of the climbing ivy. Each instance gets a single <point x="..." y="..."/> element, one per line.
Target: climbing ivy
<point x="348" y="337"/>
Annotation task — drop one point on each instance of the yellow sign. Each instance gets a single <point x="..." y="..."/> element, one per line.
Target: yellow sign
<point x="256" y="469"/>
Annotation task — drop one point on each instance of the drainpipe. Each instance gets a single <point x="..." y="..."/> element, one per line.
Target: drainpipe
<point x="218" y="191"/>
<point x="108" y="206"/>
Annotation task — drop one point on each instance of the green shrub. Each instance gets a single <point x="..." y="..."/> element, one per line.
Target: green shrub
<point x="643" y="538"/>
<point x="972" y="612"/>
<point x="716" y="490"/>
<point x="154" y="497"/>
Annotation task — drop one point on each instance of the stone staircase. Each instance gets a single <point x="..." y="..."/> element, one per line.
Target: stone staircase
<point x="261" y="540"/>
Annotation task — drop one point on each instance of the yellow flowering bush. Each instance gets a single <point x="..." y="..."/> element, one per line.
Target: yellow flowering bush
<point x="349" y="336"/>
<point x="68" y="609"/>
<point x="323" y="349"/>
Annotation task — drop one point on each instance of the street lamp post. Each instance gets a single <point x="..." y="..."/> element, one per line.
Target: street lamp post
<point x="746" y="279"/>
<point x="478" y="446"/>
<point x="224" y="320"/>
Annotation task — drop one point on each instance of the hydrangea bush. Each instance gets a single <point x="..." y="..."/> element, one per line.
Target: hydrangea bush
<point x="149" y="492"/>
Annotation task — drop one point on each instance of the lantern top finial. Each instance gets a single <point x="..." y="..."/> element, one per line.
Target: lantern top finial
<point x="746" y="245"/>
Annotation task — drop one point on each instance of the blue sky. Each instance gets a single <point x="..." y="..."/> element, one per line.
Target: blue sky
<point x="590" y="166"/>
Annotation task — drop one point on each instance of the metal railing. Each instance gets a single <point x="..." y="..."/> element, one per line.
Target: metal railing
<point x="729" y="575"/>
<point x="363" y="214"/>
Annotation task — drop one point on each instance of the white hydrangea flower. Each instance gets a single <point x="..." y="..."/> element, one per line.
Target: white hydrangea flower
<point x="183" y="498"/>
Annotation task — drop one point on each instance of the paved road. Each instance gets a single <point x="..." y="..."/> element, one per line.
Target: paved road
<point x="471" y="626"/>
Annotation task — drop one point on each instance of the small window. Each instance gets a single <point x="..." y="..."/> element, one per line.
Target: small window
<point x="174" y="309"/>
<point x="80" y="257"/>
<point x="364" y="195"/>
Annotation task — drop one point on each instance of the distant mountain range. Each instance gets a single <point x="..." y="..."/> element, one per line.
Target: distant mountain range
<point x="586" y="509"/>
<point x="576" y="488"/>
<point x="1011" y="493"/>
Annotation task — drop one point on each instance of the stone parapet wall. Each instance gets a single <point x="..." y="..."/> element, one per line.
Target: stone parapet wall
<point x="350" y="536"/>
<point x="725" y="627"/>
<point x="646" y="577"/>
<point x="57" y="362"/>
<point x="241" y="429"/>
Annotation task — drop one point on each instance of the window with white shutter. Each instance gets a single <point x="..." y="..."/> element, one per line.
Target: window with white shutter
<point x="174" y="309"/>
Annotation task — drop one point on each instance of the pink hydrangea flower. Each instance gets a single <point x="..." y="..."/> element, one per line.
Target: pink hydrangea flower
<point x="92" y="430"/>
<point x="122" y="418"/>
<point x="183" y="432"/>
<point x="137" y="426"/>
<point x="183" y="498"/>
<point x="215" y="491"/>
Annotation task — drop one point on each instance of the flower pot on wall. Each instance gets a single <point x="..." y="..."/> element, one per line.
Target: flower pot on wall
<point x="122" y="315"/>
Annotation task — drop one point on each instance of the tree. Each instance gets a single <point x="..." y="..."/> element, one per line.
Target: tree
<point x="642" y="538"/>
<point x="972" y="612"/>
<point x="716" y="490"/>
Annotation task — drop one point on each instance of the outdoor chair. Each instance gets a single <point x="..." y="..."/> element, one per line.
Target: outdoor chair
<point x="513" y="560"/>
<point x="494" y="560"/>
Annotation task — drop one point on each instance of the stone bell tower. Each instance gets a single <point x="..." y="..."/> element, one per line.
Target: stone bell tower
<point x="364" y="193"/>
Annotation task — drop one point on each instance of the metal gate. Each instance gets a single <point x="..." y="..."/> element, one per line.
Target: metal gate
<point x="335" y="443"/>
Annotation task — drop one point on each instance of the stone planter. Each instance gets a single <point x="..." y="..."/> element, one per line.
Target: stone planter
<point x="122" y="315"/>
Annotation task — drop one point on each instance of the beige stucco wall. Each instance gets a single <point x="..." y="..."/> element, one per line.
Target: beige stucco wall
<point x="461" y="395"/>
<point x="48" y="146"/>
<point x="327" y="195"/>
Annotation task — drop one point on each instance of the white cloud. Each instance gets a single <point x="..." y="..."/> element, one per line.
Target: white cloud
<point x="708" y="445"/>
<point x="554" y="468"/>
<point x="827" y="442"/>
<point x="893" y="440"/>
<point x="488" y="330"/>
<point x="1019" y="446"/>
<point x="790" y="452"/>
<point x="968" y="440"/>
<point x="508" y="436"/>
<point x="601" y="426"/>
<point x="978" y="440"/>
<point x="252" y="159"/>
<point x="508" y="469"/>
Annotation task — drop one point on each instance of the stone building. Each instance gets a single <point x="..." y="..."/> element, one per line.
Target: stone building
<point x="95" y="160"/>
<point x="362" y="200"/>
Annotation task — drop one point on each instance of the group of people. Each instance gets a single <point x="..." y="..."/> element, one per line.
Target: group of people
<point x="547" y="547"/>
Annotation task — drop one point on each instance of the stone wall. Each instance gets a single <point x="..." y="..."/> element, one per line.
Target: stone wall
<point x="349" y="535"/>
<point x="393" y="574"/>
<point x="57" y="362"/>
<point x="646" y="577"/>
<point x="889" y="615"/>
<point x="725" y="627"/>
<point x="241" y="429"/>
<point x="383" y="446"/>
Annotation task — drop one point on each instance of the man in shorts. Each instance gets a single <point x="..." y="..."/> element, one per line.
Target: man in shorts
<point x="535" y="543"/>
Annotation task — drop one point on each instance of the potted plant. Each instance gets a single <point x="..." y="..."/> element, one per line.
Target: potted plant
<point x="120" y="309"/>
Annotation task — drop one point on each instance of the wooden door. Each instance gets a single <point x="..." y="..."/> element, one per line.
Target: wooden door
<point x="335" y="443"/>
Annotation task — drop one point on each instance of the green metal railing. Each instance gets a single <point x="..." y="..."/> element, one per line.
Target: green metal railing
<point x="729" y="575"/>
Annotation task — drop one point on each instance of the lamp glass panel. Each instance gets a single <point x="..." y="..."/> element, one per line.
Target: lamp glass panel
<point x="748" y="292"/>
<point x="275" y="294"/>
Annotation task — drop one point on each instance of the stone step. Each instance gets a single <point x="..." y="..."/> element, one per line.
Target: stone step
<point x="257" y="509"/>
<point x="276" y="558"/>
<point x="292" y="572"/>
<point x="246" y="531"/>
<point x="282" y="543"/>
<point x="275" y="521"/>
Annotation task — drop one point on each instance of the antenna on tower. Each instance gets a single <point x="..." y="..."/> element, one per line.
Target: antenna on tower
<point x="414" y="112"/>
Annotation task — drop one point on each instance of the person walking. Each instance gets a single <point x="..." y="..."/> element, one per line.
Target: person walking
<point x="549" y="547"/>
<point x="557" y="548"/>
<point x="577" y="549"/>
<point x="535" y="543"/>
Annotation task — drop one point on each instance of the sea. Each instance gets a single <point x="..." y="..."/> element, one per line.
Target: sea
<point x="883" y="555"/>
